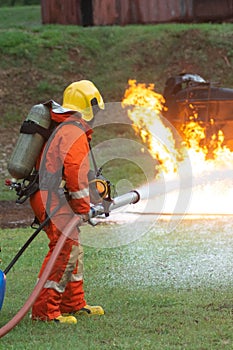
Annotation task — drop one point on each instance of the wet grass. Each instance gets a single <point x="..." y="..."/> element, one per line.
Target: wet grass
<point x="163" y="291"/>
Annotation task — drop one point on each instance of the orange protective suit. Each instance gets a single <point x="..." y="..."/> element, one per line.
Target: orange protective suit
<point x="68" y="148"/>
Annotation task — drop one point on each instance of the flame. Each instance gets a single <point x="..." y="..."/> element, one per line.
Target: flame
<point x="145" y="112"/>
<point x="212" y="174"/>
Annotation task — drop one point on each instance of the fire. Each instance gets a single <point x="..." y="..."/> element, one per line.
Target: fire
<point x="145" y="112"/>
<point x="212" y="184"/>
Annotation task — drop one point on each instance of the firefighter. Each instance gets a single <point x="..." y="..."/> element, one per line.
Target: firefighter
<point x="62" y="297"/>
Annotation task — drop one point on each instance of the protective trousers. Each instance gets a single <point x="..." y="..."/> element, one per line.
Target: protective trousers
<point x="63" y="291"/>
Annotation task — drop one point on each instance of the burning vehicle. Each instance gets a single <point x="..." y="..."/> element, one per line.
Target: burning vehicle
<point x="201" y="114"/>
<point x="192" y="102"/>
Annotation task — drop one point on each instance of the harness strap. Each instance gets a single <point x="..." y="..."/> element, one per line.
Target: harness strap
<point x="51" y="181"/>
<point x="97" y="170"/>
<point x="29" y="127"/>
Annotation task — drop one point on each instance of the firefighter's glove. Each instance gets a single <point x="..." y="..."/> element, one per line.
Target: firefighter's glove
<point x="83" y="218"/>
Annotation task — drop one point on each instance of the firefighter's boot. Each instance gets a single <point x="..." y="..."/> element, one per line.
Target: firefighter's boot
<point x="65" y="319"/>
<point x="88" y="310"/>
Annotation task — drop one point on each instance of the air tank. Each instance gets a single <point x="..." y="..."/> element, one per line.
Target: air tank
<point x="29" y="145"/>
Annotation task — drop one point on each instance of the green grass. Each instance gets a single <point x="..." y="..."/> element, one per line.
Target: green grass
<point x="20" y="16"/>
<point x="164" y="291"/>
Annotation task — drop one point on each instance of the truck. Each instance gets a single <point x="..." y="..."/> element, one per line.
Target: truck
<point x="191" y="99"/>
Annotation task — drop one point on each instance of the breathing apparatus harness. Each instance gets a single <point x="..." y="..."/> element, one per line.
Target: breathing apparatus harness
<point x="100" y="188"/>
<point x="30" y="184"/>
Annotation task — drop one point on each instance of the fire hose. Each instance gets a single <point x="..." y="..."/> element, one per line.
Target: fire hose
<point x="99" y="209"/>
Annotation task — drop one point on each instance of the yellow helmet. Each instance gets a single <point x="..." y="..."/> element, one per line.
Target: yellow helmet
<point x="82" y="96"/>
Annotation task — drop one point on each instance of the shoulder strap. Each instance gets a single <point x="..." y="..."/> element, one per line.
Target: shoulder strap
<point x="49" y="180"/>
<point x="29" y="127"/>
<point x="93" y="160"/>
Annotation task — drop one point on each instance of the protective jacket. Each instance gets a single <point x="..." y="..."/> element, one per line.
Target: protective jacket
<point x="65" y="157"/>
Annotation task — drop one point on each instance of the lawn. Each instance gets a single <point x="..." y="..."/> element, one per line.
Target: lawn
<point x="162" y="291"/>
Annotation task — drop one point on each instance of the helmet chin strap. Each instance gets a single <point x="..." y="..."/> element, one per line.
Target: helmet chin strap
<point x="95" y="110"/>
